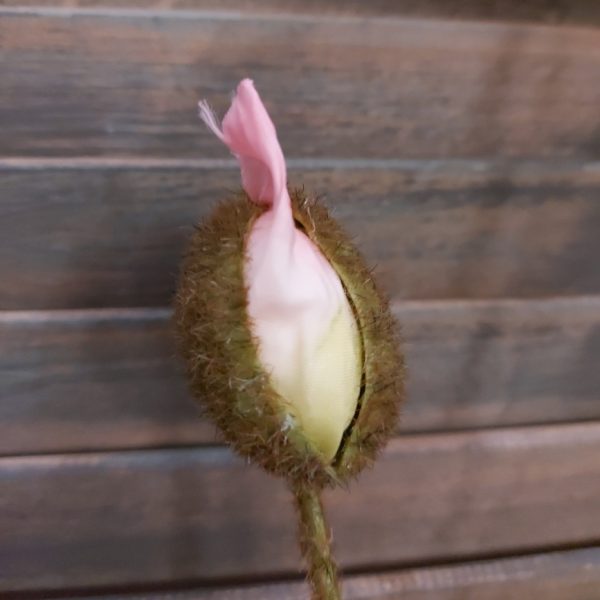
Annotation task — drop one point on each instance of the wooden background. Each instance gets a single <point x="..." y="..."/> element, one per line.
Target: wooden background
<point x="458" y="141"/>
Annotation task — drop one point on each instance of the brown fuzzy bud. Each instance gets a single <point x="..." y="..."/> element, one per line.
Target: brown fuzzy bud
<point x="225" y="370"/>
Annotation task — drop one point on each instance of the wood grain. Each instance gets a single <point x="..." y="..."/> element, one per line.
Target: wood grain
<point x="546" y="11"/>
<point x="105" y="82"/>
<point x="153" y="517"/>
<point x="463" y="157"/>
<point x="81" y="380"/>
<point x="572" y="575"/>
<point x="93" y="381"/>
<point x="105" y="233"/>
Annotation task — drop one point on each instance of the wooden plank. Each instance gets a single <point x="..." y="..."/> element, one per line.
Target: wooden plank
<point x="106" y="81"/>
<point x="92" y="380"/>
<point x="100" y="234"/>
<point x="154" y="517"/>
<point x="572" y="575"/>
<point x="547" y="11"/>
<point x="501" y="363"/>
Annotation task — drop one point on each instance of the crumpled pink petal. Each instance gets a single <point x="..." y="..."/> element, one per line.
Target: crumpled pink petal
<point x="250" y="134"/>
<point x="294" y="294"/>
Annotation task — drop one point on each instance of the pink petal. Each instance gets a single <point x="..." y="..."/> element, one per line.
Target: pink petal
<point x="251" y="137"/>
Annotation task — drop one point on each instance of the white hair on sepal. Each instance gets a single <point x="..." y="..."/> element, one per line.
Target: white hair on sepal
<point x="210" y="118"/>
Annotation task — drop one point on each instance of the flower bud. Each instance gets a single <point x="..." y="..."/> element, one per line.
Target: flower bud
<point x="281" y="322"/>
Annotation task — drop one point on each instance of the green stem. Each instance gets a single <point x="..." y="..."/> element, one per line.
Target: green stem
<point x="315" y="538"/>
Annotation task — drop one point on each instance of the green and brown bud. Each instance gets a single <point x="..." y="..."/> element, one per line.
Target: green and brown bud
<point x="223" y="363"/>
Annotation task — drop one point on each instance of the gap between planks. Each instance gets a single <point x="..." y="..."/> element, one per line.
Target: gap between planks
<point x="548" y="167"/>
<point x="582" y="564"/>
<point x="163" y="313"/>
<point x="513" y="437"/>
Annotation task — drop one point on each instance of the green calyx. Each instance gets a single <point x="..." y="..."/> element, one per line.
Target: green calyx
<point x="225" y="372"/>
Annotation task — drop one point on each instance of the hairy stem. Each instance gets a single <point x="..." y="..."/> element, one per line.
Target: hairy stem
<point x="315" y="543"/>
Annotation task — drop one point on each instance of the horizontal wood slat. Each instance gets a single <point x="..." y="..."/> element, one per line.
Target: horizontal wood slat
<point x="109" y="379"/>
<point x="545" y="11"/>
<point x="77" y="83"/>
<point x="572" y="575"/>
<point x="149" y="517"/>
<point x="465" y="159"/>
<point x="80" y="234"/>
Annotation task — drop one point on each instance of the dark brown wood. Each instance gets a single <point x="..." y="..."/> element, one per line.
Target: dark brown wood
<point x="154" y="517"/>
<point x="463" y="156"/>
<point x="501" y="363"/>
<point x="115" y="82"/>
<point x="82" y="233"/>
<point x="546" y="11"/>
<point x="92" y="380"/>
<point x="572" y="575"/>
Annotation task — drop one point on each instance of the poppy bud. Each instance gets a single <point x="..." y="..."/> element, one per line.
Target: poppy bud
<point x="290" y="347"/>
